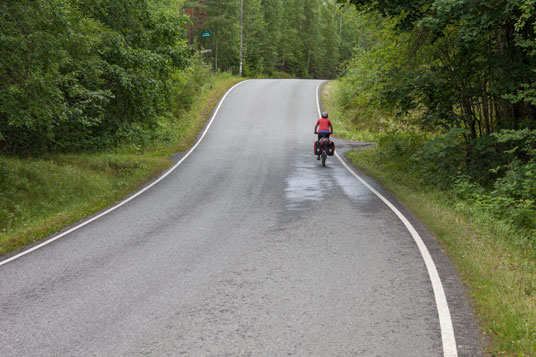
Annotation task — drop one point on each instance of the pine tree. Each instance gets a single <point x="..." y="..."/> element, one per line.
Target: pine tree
<point x="292" y="50"/>
<point x="330" y="42"/>
<point x="273" y="19"/>
<point x="224" y="22"/>
<point x="254" y="37"/>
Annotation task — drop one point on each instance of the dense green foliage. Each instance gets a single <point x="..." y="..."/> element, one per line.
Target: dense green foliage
<point x="442" y="163"/>
<point x="301" y="38"/>
<point x="40" y="195"/>
<point x="465" y="62"/>
<point x="80" y="74"/>
<point x="452" y="83"/>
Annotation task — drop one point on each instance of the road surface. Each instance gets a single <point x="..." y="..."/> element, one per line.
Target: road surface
<point x="249" y="247"/>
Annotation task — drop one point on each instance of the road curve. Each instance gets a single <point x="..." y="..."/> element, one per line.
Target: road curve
<point x="249" y="247"/>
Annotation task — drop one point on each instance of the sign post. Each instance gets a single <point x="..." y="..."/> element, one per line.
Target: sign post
<point x="207" y="34"/>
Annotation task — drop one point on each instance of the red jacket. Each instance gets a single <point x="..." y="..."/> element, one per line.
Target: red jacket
<point x="324" y="124"/>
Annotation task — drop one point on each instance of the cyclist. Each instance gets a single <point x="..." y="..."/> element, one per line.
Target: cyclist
<point x="323" y="128"/>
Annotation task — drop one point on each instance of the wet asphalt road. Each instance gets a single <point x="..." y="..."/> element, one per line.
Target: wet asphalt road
<point x="250" y="247"/>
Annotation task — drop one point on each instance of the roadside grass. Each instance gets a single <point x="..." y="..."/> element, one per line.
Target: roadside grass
<point x="40" y="196"/>
<point x="499" y="272"/>
<point x="344" y="127"/>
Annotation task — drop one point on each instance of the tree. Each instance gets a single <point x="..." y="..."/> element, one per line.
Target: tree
<point x="223" y="18"/>
<point x="273" y="20"/>
<point x="328" y="53"/>
<point x="50" y="73"/>
<point x="81" y="74"/>
<point x="477" y="74"/>
<point x="254" y="38"/>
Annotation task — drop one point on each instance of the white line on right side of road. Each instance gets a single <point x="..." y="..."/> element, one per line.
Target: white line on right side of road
<point x="113" y="208"/>
<point x="445" y="321"/>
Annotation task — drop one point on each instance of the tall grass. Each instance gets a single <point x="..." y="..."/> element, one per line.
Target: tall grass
<point x="351" y="124"/>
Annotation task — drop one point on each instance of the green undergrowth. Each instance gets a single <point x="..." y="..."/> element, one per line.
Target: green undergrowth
<point x="349" y="125"/>
<point x="39" y="196"/>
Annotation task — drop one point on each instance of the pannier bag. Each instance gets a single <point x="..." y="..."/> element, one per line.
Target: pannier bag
<point x="331" y="148"/>
<point x="317" y="148"/>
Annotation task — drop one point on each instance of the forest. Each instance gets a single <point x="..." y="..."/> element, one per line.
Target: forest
<point x="445" y="86"/>
<point x="451" y="87"/>
<point x="299" y="38"/>
<point x="80" y="75"/>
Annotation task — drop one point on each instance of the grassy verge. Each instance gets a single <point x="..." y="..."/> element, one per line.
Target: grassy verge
<point x="40" y="196"/>
<point x="500" y="274"/>
<point x="345" y="127"/>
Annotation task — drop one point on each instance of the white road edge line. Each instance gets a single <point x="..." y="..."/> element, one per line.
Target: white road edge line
<point x="131" y="197"/>
<point x="445" y="321"/>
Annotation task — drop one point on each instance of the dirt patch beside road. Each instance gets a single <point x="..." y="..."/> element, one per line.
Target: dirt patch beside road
<point x="342" y="145"/>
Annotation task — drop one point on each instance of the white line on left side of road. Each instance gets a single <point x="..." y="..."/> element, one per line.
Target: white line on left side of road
<point x="445" y="321"/>
<point x="113" y="208"/>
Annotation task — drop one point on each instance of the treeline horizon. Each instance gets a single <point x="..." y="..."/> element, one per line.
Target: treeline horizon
<point x="300" y="38"/>
<point x="78" y="75"/>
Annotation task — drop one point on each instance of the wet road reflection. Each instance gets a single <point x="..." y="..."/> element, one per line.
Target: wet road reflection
<point x="310" y="182"/>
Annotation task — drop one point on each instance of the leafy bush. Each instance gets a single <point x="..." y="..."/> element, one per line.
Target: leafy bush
<point x="50" y="73"/>
<point x="187" y="84"/>
<point x="400" y="144"/>
<point x="515" y="191"/>
<point x="441" y="159"/>
<point x="482" y="155"/>
<point x="78" y="74"/>
<point x="447" y="162"/>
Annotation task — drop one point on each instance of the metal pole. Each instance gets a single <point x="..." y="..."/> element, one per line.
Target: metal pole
<point x="241" y="32"/>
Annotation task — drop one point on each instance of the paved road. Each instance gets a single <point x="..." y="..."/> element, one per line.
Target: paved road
<point x="250" y="247"/>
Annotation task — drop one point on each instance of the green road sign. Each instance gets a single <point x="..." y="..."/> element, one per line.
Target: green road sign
<point x="206" y="33"/>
